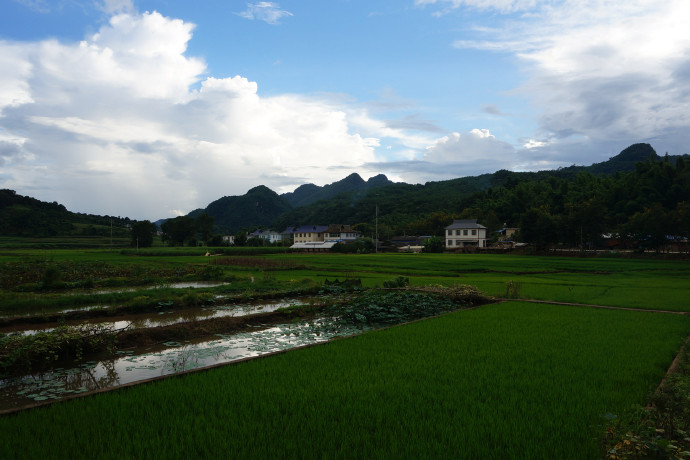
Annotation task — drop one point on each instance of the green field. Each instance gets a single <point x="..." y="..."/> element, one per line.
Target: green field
<point x="507" y="380"/>
<point x="647" y="284"/>
<point x="511" y="380"/>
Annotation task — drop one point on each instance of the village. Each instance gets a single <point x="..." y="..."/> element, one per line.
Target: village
<point x="462" y="235"/>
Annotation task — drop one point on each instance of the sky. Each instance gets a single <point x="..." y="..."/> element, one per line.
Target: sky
<point x="152" y="108"/>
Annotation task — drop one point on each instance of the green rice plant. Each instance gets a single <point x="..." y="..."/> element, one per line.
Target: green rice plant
<point x="512" y="289"/>
<point x="510" y="380"/>
<point x="662" y="428"/>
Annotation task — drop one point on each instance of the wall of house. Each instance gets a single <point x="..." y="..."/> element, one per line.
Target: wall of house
<point x="308" y="237"/>
<point x="461" y="237"/>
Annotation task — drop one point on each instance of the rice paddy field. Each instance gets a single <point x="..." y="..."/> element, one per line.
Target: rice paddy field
<point x="510" y="380"/>
<point x="506" y="380"/>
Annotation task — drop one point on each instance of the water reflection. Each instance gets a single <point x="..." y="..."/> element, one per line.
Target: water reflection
<point x="171" y="358"/>
<point x="180" y="285"/>
<point x="166" y="318"/>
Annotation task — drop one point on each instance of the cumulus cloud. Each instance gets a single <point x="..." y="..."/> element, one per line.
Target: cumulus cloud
<point x="455" y="155"/>
<point x="600" y="70"/>
<point x="125" y="123"/>
<point x="268" y="12"/>
<point x="477" y="145"/>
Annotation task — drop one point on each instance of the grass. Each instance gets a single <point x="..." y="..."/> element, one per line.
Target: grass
<point x="512" y="380"/>
<point x="648" y="284"/>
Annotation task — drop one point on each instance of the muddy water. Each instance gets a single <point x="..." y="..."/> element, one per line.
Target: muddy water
<point x="169" y="358"/>
<point x="166" y="318"/>
<point x="180" y="285"/>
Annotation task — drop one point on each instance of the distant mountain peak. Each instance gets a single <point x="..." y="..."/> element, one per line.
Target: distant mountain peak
<point x="353" y="178"/>
<point x="379" y="179"/>
<point x="310" y="193"/>
<point x="635" y="153"/>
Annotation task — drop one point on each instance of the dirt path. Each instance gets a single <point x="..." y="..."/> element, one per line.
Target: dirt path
<point x="609" y="307"/>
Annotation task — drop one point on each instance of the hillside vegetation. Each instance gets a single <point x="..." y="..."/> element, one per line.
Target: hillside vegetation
<point x="637" y="195"/>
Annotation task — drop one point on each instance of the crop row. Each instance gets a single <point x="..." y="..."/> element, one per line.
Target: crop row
<point x="511" y="380"/>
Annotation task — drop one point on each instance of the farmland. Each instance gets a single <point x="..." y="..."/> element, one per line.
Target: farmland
<point x="506" y="380"/>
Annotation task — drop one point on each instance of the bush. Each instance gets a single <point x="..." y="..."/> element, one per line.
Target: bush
<point x="52" y="278"/>
<point x="512" y="290"/>
<point x="400" y="281"/>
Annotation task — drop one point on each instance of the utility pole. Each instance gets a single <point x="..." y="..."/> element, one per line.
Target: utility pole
<point x="376" y="242"/>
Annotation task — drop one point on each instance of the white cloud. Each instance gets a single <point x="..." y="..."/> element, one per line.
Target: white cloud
<point x="118" y="6"/>
<point x="501" y="5"/>
<point x="602" y="70"/>
<point x="476" y="146"/>
<point x="268" y="12"/>
<point x="16" y="70"/>
<point x="124" y="123"/>
<point x="455" y="155"/>
<point x="42" y="6"/>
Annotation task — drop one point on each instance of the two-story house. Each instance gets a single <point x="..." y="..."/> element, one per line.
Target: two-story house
<point x="336" y="232"/>
<point x="309" y="233"/>
<point x="269" y="235"/>
<point x="465" y="233"/>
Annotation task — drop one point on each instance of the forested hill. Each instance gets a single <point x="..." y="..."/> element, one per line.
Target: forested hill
<point x="257" y="208"/>
<point x="25" y="216"/>
<point x="261" y="206"/>
<point x="353" y="200"/>
<point x="633" y="188"/>
<point x="423" y="209"/>
<point x="638" y="195"/>
<point x="309" y="193"/>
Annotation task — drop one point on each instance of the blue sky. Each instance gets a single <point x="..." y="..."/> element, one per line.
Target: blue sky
<point x="153" y="108"/>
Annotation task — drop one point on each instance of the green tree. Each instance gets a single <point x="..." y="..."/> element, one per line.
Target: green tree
<point x="142" y="234"/>
<point x="179" y="230"/>
<point x="241" y="239"/>
<point x="204" y="224"/>
<point x="538" y="227"/>
<point x="649" y="227"/>
<point x="434" y="244"/>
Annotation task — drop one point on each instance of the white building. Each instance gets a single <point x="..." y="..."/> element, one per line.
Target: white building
<point x="269" y="235"/>
<point x="465" y="233"/>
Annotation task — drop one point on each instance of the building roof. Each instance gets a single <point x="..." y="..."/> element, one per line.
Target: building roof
<point x="263" y="232"/>
<point x="464" y="223"/>
<point x="305" y="229"/>
<point x="314" y="245"/>
<point x="338" y="228"/>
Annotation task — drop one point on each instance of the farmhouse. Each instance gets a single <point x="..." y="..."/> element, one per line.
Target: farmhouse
<point x="337" y="232"/>
<point x="465" y="233"/>
<point x="268" y="235"/>
<point x="506" y="237"/>
<point x="309" y="233"/>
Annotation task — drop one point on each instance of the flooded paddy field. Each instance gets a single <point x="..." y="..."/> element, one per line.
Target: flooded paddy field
<point x="160" y="318"/>
<point x="48" y="362"/>
<point x="171" y="357"/>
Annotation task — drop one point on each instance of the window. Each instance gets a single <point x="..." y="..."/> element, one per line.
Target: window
<point x="464" y="232"/>
<point x="457" y="232"/>
<point x="474" y="232"/>
<point x="450" y="242"/>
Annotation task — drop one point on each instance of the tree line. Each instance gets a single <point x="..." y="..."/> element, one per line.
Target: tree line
<point x="644" y="208"/>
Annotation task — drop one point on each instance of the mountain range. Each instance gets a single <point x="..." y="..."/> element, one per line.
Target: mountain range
<point x="351" y="200"/>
